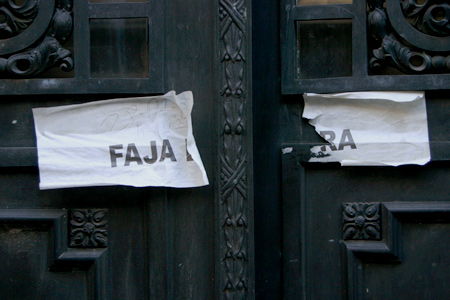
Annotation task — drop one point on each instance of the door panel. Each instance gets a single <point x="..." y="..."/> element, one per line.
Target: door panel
<point x="367" y="232"/>
<point x="116" y="269"/>
<point x="160" y="243"/>
<point x="400" y="248"/>
<point x="25" y="260"/>
<point x="422" y="272"/>
<point x="316" y="255"/>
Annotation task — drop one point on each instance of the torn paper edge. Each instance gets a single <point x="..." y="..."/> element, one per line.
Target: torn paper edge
<point x="324" y="157"/>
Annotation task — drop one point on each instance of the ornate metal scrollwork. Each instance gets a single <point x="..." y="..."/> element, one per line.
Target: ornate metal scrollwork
<point x="413" y="37"/>
<point x="361" y="221"/>
<point x="31" y="35"/>
<point x="88" y="228"/>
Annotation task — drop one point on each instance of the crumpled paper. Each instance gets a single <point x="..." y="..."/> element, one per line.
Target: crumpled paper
<point x="145" y="141"/>
<point x="370" y="128"/>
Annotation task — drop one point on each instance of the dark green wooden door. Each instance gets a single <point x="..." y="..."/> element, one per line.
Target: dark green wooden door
<point x="113" y="242"/>
<point x="328" y="232"/>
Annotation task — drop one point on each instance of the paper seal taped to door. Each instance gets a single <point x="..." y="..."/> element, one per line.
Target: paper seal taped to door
<point x="145" y="141"/>
<point x="370" y="128"/>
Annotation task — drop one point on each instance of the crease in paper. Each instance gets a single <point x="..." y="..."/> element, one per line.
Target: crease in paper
<point x="370" y="128"/>
<point x="144" y="141"/>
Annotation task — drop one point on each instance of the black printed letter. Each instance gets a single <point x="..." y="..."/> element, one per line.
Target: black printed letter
<point x="331" y="136"/>
<point x="136" y="158"/>
<point x="346" y="134"/>
<point x="188" y="155"/>
<point x="154" y="154"/>
<point x="114" y="155"/>
<point x="167" y="151"/>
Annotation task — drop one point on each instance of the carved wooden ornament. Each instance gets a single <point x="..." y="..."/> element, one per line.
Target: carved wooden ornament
<point x="31" y="35"/>
<point x="412" y="36"/>
<point x="361" y="221"/>
<point x="88" y="228"/>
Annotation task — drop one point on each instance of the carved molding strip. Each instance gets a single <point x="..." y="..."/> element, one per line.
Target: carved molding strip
<point x="31" y="35"/>
<point x="233" y="139"/>
<point x="361" y="221"/>
<point x="411" y="36"/>
<point x="88" y="228"/>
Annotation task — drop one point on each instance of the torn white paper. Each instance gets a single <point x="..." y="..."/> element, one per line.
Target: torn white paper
<point x="145" y="141"/>
<point x="370" y="128"/>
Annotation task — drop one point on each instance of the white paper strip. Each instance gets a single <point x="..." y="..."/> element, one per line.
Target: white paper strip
<point x="145" y="141"/>
<point x="370" y="128"/>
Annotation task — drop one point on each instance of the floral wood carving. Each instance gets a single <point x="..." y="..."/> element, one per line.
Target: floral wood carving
<point x="411" y="36"/>
<point x="88" y="228"/>
<point x="361" y="221"/>
<point x="31" y="35"/>
<point x="233" y="148"/>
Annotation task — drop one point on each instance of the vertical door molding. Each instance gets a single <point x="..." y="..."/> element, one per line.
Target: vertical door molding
<point x="234" y="201"/>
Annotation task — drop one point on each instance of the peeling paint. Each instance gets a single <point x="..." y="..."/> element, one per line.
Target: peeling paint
<point x="287" y="150"/>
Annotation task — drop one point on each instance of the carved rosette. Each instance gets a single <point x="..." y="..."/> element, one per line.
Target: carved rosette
<point x="31" y="36"/>
<point x="412" y="36"/>
<point x="233" y="149"/>
<point x="361" y="221"/>
<point x="88" y="228"/>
